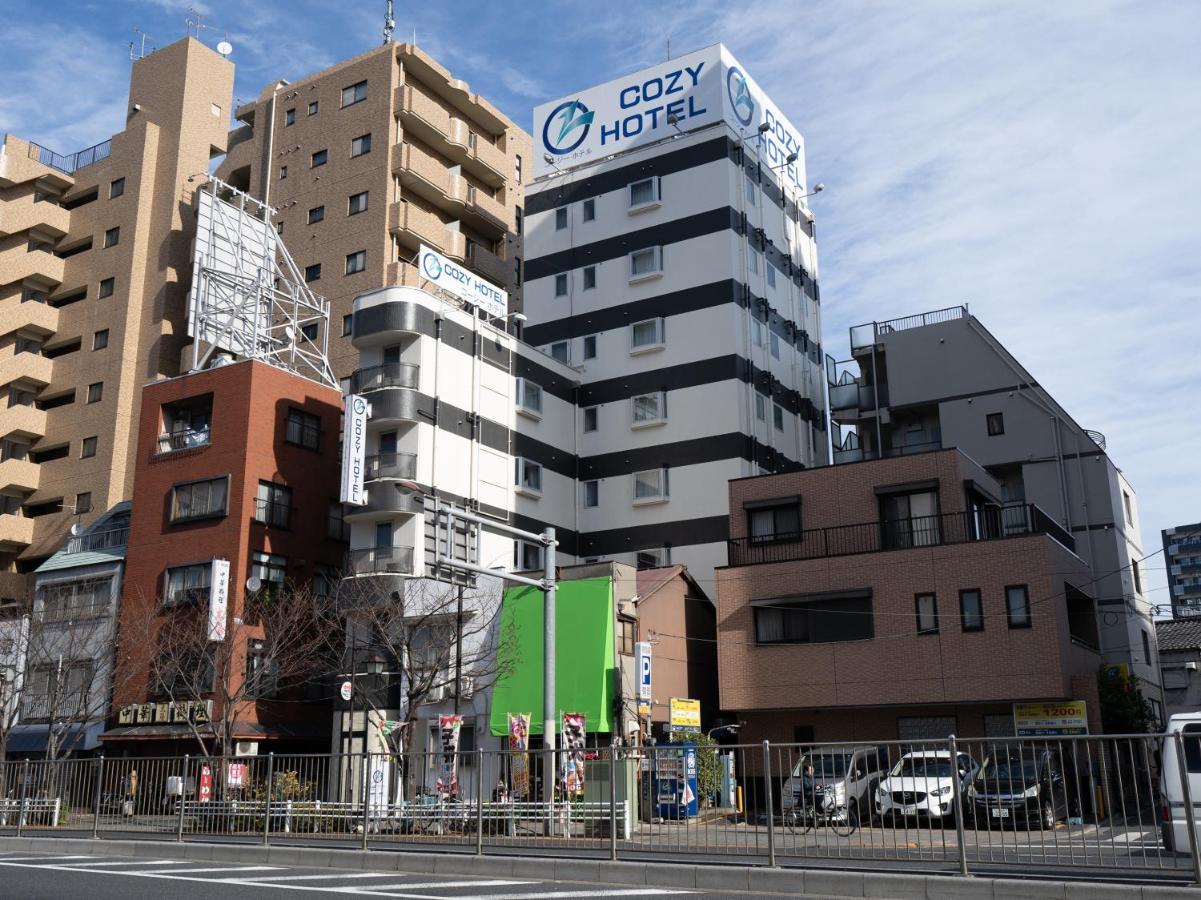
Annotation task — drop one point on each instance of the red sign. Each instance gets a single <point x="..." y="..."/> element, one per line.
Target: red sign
<point x="205" y="791"/>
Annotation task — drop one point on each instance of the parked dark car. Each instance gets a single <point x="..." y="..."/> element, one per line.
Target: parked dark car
<point x="1019" y="784"/>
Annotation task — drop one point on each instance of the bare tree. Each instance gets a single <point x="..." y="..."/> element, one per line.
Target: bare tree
<point x="274" y="644"/>
<point x="14" y="643"/>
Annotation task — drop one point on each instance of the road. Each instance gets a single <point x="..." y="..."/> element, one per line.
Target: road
<point x="48" y="876"/>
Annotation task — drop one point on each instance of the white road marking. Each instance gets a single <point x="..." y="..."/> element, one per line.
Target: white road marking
<point x="208" y="869"/>
<point x="128" y="862"/>
<point x="43" y="858"/>
<point x="372" y="888"/>
<point x="314" y="877"/>
<point x="553" y="895"/>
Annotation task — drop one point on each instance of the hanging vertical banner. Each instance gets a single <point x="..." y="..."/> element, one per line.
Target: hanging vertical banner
<point x="519" y="759"/>
<point x="204" y="792"/>
<point x="218" y="599"/>
<point x="448" y="729"/>
<point x="573" y="753"/>
<point x="354" y="450"/>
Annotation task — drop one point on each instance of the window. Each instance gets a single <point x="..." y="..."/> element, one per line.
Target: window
<point x="313" y="272"/>
<point x="649" y="408"/>
<point x="283" y="172"/>
<point x="647" y="335"/>
<point x="777" y="417"/>
<point x="561" y="284"/>
<point x="320" y="158"/>
<point x="270" y="568"/>
<point x="653" y="559"/>
<point x="360" y="145"/>
<point x="302" y="428"/>
<point x="590" y="347"/>
<point x="926" y="606"/>
<point x="289" y="117"/>
<point x="100" y="339"/>
<point x="517" y="167"/>
<point x="186" y="424"/>
<point x="1138" y="576"/>
<point x="1146" y="647"/>
<point x="262" y="671"/>
<point x="112" y="237"/>
<point x="561" y="350"/>
<point x="106" y="288"/>
<point x="529" y="396"/>
<point x="771" y="275"/>
<point x="88" y="448"/>
<point x="347" y="324"/>
<point x="316" y="214"/>
<point x="313" y="107"/>
<point x="187" y="584"/>
<point x="310" y="330"/>
<point x="773" y="340"/>
<point x="971" y="610"/>
<point x="199" y="499"/>
<point x="590" y="418"/>
<point x="589" y="209"/>
<point x="777" y="522"/>
<point x="383" y="534"/>
<point x="816" y="620"/>
<point x="589" y="277"/>
<point x="750" y="191"/>
<point x="591" y="494"/>
<point x="96" y="392"/>
<point x="517" y="271"/>
<point x="83" y="503"/>
<point x="356" y="93"/>
<point x="627" y="636"/>
<point x="116" y="188"/>
<point x="560" y="218"/>
<point x="273" y="504"/>
<point x="910" y="520"/>
<point x="356" y="262"/>
<point x="81" y="598"/>
<point x="356" y="203"/>
<point x="1082" y="617"/>
<point x="335" y="527"/>
<point x="760" y="407"/>
<point x="996" y="424"/>
<point x="646" y="262"/>
<point x="279" y="227"/>
<point x="753" y="261"/>
<point x="527" y="476"/>
<point x="651" y="485"/>
<point x="757" y="332"/>
<point x="1128" y="506"/>
<point x="644" y="193"/>
<point x="1017" y="606"/>
<point x="527" y="556"/>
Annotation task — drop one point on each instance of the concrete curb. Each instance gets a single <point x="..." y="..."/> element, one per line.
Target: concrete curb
<point x="751" y="879"/>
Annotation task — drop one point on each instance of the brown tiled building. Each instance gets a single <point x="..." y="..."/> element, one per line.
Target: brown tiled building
<point x="897" y="599"/>
<point x="94" y="267"/>
<point x="237" y="463"/>
<point x="372" y="157"/>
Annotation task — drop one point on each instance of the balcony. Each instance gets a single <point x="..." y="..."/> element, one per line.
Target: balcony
<point x="387" y="375"/>
<point x="70" y="163"/>
<point x="23" y="421"/>
<point x="20" y="475"/>
<point x="452" y="135"/>
<point x="905" y="534"/>
<point x="185" y="439"/>
<point x="855" y="396"/>
<point x="391" y="465"/>
<point x="16" y="531"/>
<point x="32" y="368"/>
<point x="110" y="540"/>
<point x="416" y="226"/>
<point x="36" y="266"/>
<point x="866" y="336"/>
<point x="30" y="315"/>
<point x="380" y="561"/>
<point x="430" y="177"/>
<point x="488" y="263"/>
<point x="23" y="214"/>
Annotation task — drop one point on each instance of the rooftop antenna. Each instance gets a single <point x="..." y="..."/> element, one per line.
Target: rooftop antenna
<point x="141" y="52"/>
<point x="192" y="20"/>
<point x="669" y="46"/>
<point x="389" y="24"/>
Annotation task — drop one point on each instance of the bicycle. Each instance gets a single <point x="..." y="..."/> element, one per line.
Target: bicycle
<point x="842" y="820"/>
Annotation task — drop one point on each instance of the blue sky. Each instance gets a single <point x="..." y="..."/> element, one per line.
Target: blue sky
<point x="1036" y="160"/>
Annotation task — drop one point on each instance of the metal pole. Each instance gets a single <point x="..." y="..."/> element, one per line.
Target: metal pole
<point x="549" y="709"/>
<point x="267" y="799"/>
<point x="767" y="794"/>
<point x="613" y="801"/>
<point x="366" y="784"/>
<point x="96" y="800"/>
<point x="957" y="794"/>
<point x="479" y="796"/>
<point x="24" y="796"/>
<point x="458" y="649"/>
<point x="1190" y="817"/>
<point x="183" y="798"/>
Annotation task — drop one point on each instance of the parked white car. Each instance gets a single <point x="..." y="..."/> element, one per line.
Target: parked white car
<point x="923" y="783"/>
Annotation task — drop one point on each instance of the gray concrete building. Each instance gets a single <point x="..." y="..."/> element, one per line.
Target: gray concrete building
<point x="939" y="380"/>
<point x="1182" y="557"/>
<point x="1180" y="664"/>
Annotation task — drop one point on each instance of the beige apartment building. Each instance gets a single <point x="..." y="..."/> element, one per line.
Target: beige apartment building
<point x="94" y="268"/>
<point x="369" y="159"/>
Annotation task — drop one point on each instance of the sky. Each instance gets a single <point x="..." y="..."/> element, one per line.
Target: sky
<point x="1037" y="161"/>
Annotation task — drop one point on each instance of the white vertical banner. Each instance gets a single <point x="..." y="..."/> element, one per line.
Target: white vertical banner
<point x="218" y="599"/>
<point x="354" y="450"/>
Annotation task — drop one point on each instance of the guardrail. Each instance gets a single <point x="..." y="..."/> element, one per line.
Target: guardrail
<point x="1093" y="805"/>
<point x="70" y="163"/>
<point x="868" y="334"/>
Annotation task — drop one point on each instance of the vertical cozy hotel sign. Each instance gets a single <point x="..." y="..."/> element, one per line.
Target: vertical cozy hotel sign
<point x="218" y="599"/>
<point x="354" y="450"/>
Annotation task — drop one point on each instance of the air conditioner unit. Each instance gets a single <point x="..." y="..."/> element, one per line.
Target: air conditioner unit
<point x="467" y="687"/>
<point x="246" y="748"/>
<point x="1191" y="666"/>
<point x="436" y="694"/>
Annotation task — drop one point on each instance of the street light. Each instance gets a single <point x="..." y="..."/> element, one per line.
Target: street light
<point x="731" y="727"/>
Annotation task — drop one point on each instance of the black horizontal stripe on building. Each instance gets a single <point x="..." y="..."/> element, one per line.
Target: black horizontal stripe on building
<point x="709" y="530"/>
<point x="403" y="315"/>
<point x="690" y="452"/>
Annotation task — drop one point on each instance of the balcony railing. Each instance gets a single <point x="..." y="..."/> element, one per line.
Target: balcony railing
<point x="387" y="375"/>
<point x="391" y="465"/>
<point x="109" y="539"/>
<point x="867" y="335"/>
<point x="380" y="561"/>
<point x="904" y="534"/>
<point x="184" y="440"/>
<point x="71" y="162"/>
<point x="272" y="512"/>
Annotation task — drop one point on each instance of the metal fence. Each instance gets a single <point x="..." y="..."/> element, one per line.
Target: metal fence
<point x="1089" y="804"/>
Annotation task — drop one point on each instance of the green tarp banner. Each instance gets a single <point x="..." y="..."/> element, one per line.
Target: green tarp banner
<point x="584" y="666"/>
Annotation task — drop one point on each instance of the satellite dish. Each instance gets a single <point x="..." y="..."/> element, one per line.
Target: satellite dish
<point x="290" y="333"/>
<point x="253" y="583"/>
<point x="76" y="529"/>
<point x="225" y="48"/>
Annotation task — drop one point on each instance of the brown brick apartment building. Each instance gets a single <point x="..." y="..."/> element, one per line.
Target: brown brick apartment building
<point x="897" y="598"/>
<point x="239" y="463"/>
<point x="372" y="157"/>
<point x="94" y="267"/>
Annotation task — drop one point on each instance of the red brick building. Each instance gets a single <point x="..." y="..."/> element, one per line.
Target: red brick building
<point x="897" y="599"/>
<point x="237" y="463"/>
